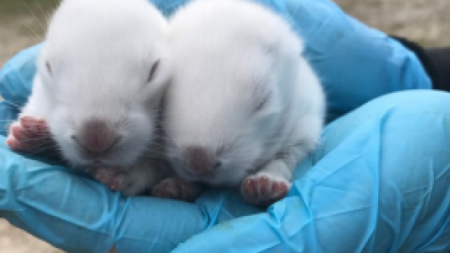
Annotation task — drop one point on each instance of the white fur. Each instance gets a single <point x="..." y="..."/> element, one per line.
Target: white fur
<point x="101" y="53"/>
<point x="228" y="55"/>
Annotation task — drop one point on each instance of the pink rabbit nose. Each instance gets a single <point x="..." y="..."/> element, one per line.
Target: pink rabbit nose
<point x="199" y="160"/>
<point x="96" y="137"/>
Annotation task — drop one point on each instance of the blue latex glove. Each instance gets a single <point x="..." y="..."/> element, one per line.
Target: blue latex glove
<point x="378" y="183"/>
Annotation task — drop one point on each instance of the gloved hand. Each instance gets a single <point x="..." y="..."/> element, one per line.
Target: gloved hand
<point x="377" y="183"/>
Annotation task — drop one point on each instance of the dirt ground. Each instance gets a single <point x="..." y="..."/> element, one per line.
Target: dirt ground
<point x="22" y="23"/>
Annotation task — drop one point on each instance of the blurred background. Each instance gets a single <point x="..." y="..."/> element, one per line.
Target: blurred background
<point x="23" y="22"/>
